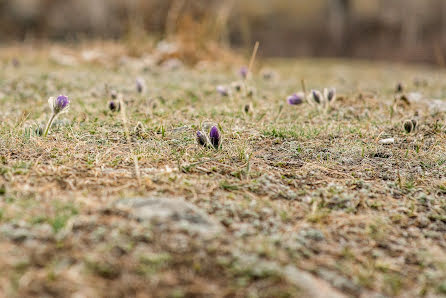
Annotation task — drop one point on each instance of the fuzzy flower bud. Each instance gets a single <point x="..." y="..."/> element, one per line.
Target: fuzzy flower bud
<point x="296" y="99"/>
<point x="214" y="137"/>
<point x="330" y="94"/>
<point x="140" y="85"/>
<point x="244" y="72"/>
<point x="114" y="106"/>
<point x="222" y="90"/>
<point x="316" y="96"/>
<point x="201" y="138"/>
<point x="59" y="105"/>
<point x="236" y="86"/>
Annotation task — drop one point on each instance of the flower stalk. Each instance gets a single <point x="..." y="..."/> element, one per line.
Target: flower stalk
<point x="58" y="106"/>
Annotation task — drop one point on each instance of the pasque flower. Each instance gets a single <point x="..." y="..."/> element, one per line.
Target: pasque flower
<point x="201" y="139"/>
<point x="296" y="99"/>
<point x="324" y="100"/>
<point x="214" y="137"/>
<point x="222" y="90"/>
<point x="140" y="85"/>
<point x="114" y="106"/>
<point x="58" y="105"/>
<point x="237" y="86"/>
<point x="330" y="94"/>
<point x="316" y="96"/>
<point x="244" y="72"/>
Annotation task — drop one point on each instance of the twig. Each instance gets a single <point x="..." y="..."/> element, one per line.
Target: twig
<point x="253" y="57"/>
<point x="302" y="82"/>
<point x="23" y="119"/>
<point x="251" y="64"/>
<point x="127" y="134"/>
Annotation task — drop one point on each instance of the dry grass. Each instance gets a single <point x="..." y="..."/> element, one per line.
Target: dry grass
<point x="308" y="189"/>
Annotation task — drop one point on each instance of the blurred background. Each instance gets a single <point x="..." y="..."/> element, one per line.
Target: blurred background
<point x="400" y="30"/>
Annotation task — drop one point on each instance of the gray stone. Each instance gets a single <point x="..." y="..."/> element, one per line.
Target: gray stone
<point x="312" y="234"/>
<point x="170" y="213"/>
<point x="15" y="232"/>
<point x="312" y="286"/>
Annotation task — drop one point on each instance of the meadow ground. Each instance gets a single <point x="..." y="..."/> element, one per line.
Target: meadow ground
<point x="298" y="202"/>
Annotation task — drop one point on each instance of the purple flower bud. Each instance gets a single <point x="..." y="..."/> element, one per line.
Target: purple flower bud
<point x="317" y="96"/>
<point x="222" y="90"/>
<point x="330" y="94"/>
<point x="237" y="86"/>
<point x="214" y="137"/>
<point x="201" y="138"/>
<point x="140" y="85"/>
<point x="296" y="99"/>
<point x="248" y="108"/>
<point x="59" y="104"/>
<point x="114" y="106"/>
<point x="62" y="102"/>
<point x="15" y="62"/>
<point x="244" y="72"/>
<point x="114" y="94"/>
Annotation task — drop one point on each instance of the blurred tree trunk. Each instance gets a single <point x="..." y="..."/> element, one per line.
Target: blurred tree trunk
<point x="339" y="23"/>
<point x="410" y="24"/>
<point x="443" y="22"/>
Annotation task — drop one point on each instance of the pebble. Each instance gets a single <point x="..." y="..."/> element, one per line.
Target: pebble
<point x="170" y="213"/>
<point x="387" y="141"/>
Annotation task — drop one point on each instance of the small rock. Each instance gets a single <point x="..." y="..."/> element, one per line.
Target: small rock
<point x="172" y="64"/>
<point x="15" y="232"/>
<point x="44" y="232"/>
<point x="170" y="213"/>
<point x="422" y="221"/>
<point x="387" y="141"/>
<point x="312" y="234"/>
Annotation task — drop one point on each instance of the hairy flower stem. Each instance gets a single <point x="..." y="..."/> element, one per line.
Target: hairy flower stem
<point x="53" y="116"/>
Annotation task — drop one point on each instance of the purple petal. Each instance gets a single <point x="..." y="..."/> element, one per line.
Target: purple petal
<point x="243" y="72"/>
<point x="62" y="102"/>
<point x="214" y="137"/>
<point x="295" y="99"/>
<point x="222" y="90"/>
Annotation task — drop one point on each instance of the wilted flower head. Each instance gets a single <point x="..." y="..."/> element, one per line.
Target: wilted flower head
<point x="330" y="94"/>
<point x="244" y="72"/>
<point x="214" y="137"/>
<point x="140" y="85"/>
<point x="201" y="138"/>
<point x="296" y="99"/>
<point x="222" y="90"/>
<point x="59" y="104"/>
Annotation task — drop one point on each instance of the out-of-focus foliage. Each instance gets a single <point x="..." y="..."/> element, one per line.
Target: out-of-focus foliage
<point x="401" y="29"/>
